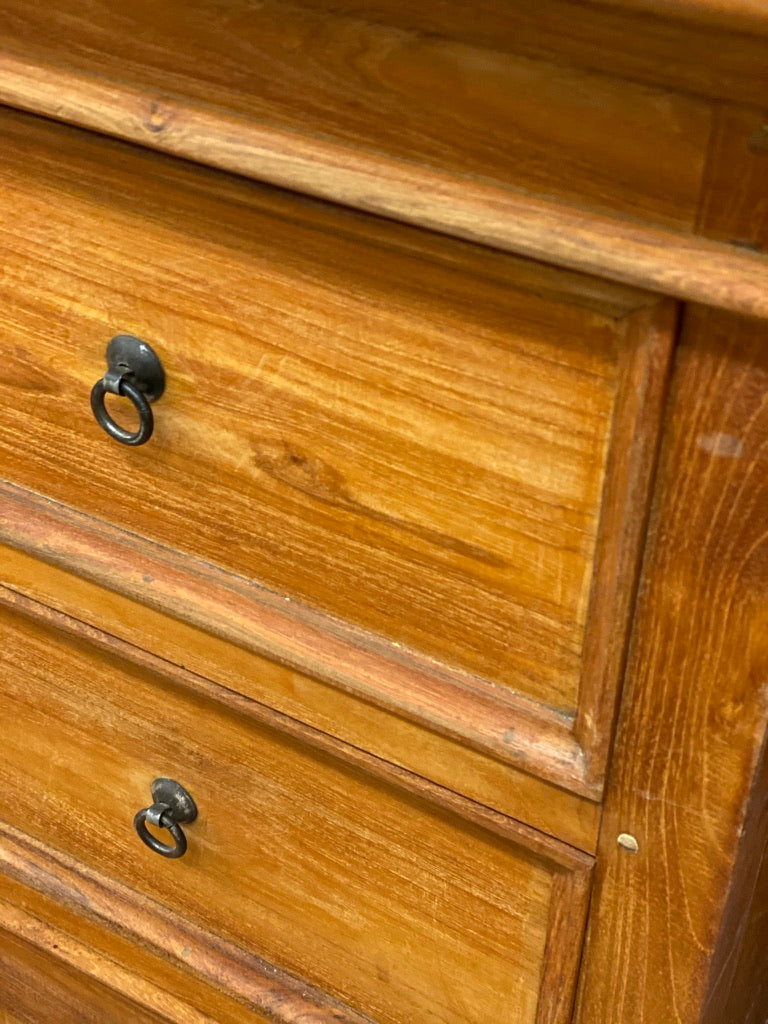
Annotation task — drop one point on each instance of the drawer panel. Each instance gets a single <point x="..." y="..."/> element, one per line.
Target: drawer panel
<point x="408" y="433"/>
<point x="363" y="888"/>
<point x="35" y="986"/>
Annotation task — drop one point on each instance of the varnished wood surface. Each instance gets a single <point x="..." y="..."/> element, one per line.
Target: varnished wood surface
<point x="695" y="710"/>
<point x="745" y="15"/>
<point x="343" y="421"/>
<point x="93" y="912"/>
<point x="75" y="947"/>
<point x="745" y="998"/>
<point x="515" y="730"/>
<point x="363" y="85"/>
<point x="364" y="891"/>
<point x="691" y="56"/>
<point x="734" y="202"/>
<point x="596" y="216"/>
<point x="259" y="686"/>
<point x="36" y="987"/>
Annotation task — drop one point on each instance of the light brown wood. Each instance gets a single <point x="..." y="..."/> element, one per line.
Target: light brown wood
<point x="266" y="685"/>
<point x="345" y="423"/>
<point x="630" y="468"/>
<point x="745" y="15"/>
<point x="365" y="86"/>
<point x="113" y="962"/>
<point x="114" y="991"/>
<point x="734" y="203"/>
<point x="35" y="986"/>
<point x="692" y="57"/>
<point x="546" y="222"/>
<point x="133" y="927"/>
<point x="354" y="432"/>
<point x="146" y="661"/>
<point x="369" y="893"/>
<point x="695" y="710"/>
<point x="516" y="731"/>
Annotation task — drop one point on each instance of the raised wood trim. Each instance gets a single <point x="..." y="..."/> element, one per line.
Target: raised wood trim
<point x="225" y="966"/>
<point x="330" y="711"/>
<point x="644" y="364"/>
<point x="686" y="772"/>
<point x="557" y="854"/>
<point x="269" y="991"/>
<point x="567" y="922"/>
<point x="509" y="727"/>
<point x="672" y="262"/>
<point x="147" y="996"/>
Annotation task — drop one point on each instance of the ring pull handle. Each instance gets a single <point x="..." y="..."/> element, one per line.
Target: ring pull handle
<point x="135" y="372"/>
<point x="172" y="807"/>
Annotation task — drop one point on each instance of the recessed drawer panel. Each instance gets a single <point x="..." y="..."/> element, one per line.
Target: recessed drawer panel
<point x="409" y="433"/>
<point x="352" y="882"/>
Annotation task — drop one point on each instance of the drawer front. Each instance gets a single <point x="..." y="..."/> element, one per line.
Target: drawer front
<point x="399" y="907"/>
<point x="35" y="986"/>
<point x="408" y="433"/>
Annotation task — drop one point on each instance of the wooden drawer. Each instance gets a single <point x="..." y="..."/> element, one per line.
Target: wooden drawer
<point x="442" y="445"/>
<point x="353" y="882"/>
<point x="35" y="986"/>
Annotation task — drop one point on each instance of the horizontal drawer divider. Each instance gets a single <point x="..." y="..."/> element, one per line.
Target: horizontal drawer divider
<point x="557" y="853"/>
<point x="224" y="965"/>
<point x="511" y="728"/>
<point x="673" y="262"/>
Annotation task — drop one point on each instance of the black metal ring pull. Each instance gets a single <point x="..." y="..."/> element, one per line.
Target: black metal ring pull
<point x="173" y="805"/>
<point x="134" y="371"/>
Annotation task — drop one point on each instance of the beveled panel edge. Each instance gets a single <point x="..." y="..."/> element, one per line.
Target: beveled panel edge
<point x="222" y="964"/>
<point x="571" y="892"/>
<point x="58" y="945"/>
<point x="353" y="721"/>
<point x="557" y="854"/>
<point x="676" y="263"/>
<point x="645" y="363"/>
<point x="514" y="729"/>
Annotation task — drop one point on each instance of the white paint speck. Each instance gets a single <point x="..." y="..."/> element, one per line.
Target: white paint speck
<point x="727" y="445"/>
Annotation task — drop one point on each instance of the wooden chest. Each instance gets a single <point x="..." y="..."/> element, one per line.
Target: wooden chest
<point x="439" y="584"/>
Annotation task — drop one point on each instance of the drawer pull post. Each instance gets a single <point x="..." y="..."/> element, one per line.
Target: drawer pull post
<point x="134" y="371"/>
<point x="172" y="806"/>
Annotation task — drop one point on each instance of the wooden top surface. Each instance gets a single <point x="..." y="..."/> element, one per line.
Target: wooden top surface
<point x="578" y="136"/>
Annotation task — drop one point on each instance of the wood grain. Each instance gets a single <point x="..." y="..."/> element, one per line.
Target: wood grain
<point x="143" y="660"/>
<point x="64" y="890"/>
<point x="745" y="996"/>
<point x="367" y="86"/>
<point x="329" y="874"/>
<point x="260" y="687"/>
<point x="145" y="981"/>
<point x="35" y="986"/>
<point x="664" y="260"/>
<point x="362" y="423"/>
<point x="643" y="375"/>
<point x="695" y="709"/>
<point x="734" y="201"/>
<point x="745" y="15"/>
<point x="693" y="56"/>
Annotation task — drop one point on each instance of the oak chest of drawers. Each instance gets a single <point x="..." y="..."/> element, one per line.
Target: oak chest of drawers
<point x="439" y="586"/>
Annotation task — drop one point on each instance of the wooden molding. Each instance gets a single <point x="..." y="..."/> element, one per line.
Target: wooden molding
<point x="686" y="772"/>
<point x="643" y="377"/>
<point x="269" y="991"/>
<point x="511" y="728"/>
<point x="660" y="259"/>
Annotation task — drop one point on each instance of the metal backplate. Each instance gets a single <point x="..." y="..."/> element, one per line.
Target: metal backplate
<point x="166" y="791"/>
<point x="129" y="355"/>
